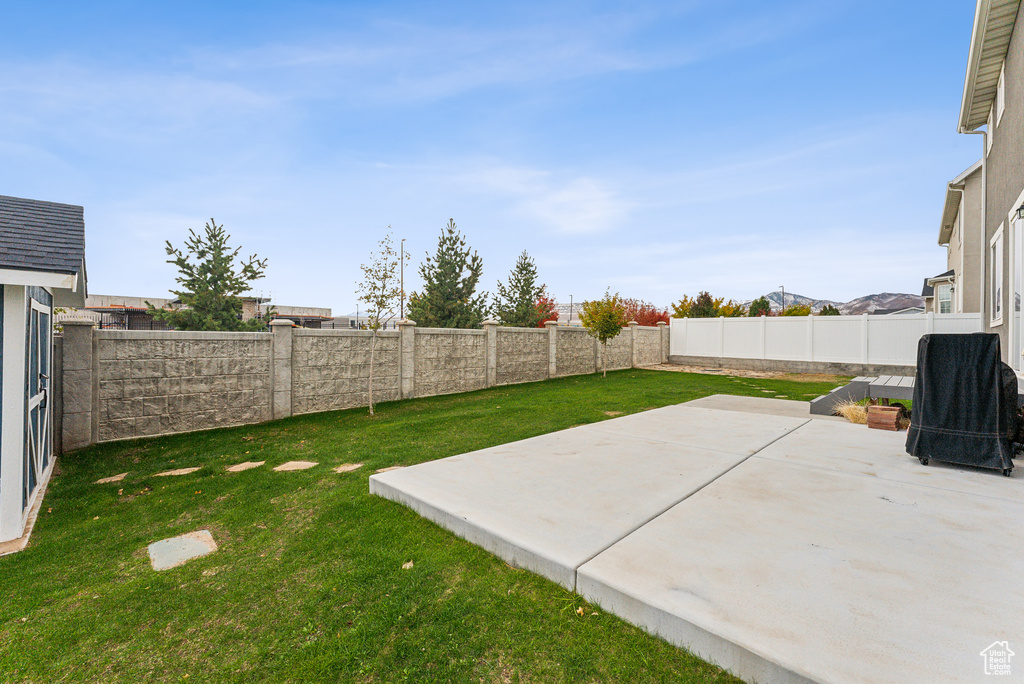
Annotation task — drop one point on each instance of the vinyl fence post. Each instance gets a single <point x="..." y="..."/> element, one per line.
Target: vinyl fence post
<point x="721" y="337"/>
<point x="864" y="337"/>
<point x="764" y="337"/>
<point x="930" y="322"/>
<point x="810" y="337"/>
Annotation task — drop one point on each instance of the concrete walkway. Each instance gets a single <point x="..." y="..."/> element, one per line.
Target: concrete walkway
<point x="783" y="548"/>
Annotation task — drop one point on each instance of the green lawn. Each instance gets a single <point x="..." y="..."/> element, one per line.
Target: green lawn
<point x="308" y="582"/>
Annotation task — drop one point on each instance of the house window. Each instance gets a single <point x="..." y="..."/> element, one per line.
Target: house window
<point x="995" y="255"/>
<point x="944" y="293"/>
<point x="1001" y="94"/>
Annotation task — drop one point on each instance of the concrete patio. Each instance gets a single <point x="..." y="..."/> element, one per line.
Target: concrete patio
<point x="782" y="547"/>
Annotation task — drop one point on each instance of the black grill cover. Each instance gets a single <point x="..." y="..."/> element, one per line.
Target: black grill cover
<point x="965" y="402"/>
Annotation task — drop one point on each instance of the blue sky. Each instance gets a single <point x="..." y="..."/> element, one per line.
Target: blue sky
<point x="654" y="148"/>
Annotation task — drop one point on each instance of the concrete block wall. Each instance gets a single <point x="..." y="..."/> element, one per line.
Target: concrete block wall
<point x="331" y="369"/>
<point x="576" y="352"/>
<point x="152" y="383"/>
<point x="132" y="383"/>
<point x="521" y="355"/>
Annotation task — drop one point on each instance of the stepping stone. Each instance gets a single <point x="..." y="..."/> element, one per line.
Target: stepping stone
<point x="389" y="468"/>
<point x="239" y="467"/>
<point x="348" y="467"/>
<point x="112" y="478"/>
<point x="170" y="553"/>
<point x="179" y="471"/>
<point x="295" y="465"/>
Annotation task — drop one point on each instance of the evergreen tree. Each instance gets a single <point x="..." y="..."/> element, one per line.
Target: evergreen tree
<point x="829" y="310"/>
<point x="450" y="278"/>
<point x="515" y="304"/>
<point x="705" y="306"/>
<point x="760" y="307"/>
<point x="210" y="283"/>
<point x="604" y="319"/>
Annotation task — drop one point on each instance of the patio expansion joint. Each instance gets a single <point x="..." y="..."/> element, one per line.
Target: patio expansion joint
<point x="666" y="509"/>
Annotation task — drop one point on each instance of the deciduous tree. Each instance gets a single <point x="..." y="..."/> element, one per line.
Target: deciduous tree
<point x="603" y="318"/>
<point x="829" y="310"/>
<point x="547" y="310"/>
<point x="644" y="313"/>
<point x="381" y="291"/>
<point x="450" y="277"/>
<point x="210" y="283"/>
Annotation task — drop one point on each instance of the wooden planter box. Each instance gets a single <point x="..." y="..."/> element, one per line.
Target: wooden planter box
<point x="884" y="417"/>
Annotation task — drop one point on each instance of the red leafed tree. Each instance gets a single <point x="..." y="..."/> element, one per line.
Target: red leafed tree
<point x="643" y="312"/>
<point x="547" y="309"/>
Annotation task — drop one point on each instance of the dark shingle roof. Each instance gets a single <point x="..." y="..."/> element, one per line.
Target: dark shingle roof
<point x="928" y="290"/>
<point x="41" y="236"/>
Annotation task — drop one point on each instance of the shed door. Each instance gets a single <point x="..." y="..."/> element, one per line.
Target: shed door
<point x="37" y="449"/>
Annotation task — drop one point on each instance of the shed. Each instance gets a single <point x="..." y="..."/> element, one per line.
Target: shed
<point x="42" y="267"/>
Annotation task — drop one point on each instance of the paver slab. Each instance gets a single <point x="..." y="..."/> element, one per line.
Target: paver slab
<point x="348" y="467"/>
<point x="170" y="553"/>
<point x="176" y="471"/>
<point x="241" y="467"/>
<point x="552" y="502"/>
<point x="786" y="572"/>
<point x="295" y="465"/>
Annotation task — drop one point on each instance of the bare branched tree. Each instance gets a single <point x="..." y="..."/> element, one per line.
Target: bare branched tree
<point x="381" y="291"/>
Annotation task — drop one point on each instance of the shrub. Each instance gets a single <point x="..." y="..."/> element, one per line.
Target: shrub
<point x="798" y="310"/>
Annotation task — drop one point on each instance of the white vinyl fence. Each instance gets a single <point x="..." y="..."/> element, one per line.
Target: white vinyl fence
<point x="889" y="340"/>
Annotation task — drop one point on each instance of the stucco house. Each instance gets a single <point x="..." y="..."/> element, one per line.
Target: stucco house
<point x="42" y="267"/>
<point x="986" y="202"/>
<point x="958" y="290"/>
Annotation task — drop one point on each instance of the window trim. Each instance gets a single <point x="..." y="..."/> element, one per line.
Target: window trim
<point x="995" y="273"/>
<point x="1001" y="93"/>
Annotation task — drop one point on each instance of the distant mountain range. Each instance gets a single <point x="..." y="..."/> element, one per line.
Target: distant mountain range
<point x="866" y="304"/>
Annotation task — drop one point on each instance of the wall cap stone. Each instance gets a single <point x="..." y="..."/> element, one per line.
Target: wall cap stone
<point x="78" y="321"/>
<point x="550" y="324"/>
<point x="278" y="322"/>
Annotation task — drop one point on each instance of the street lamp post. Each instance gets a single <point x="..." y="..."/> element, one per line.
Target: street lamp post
<point x="570" y="309"/>
<point x="401" y="268"/>
<point x="783" y="298"/>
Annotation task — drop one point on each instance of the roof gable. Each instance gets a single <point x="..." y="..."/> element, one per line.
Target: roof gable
<point x="993" y="26"/>
<point x="41" y="236"/>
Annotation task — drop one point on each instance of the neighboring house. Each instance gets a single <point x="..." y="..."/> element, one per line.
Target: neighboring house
<point x="305" y="316"/>
<point x="42" y="266"/>
<point x="119" y="312"/>
<point x="960" y="233"/>
<point x="993" y="98"/>
<point x="938" y="292"/>
<point x="898" y="312"/>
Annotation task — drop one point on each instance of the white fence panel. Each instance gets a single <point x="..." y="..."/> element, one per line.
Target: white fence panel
<point x="893" y="340"/>
<point x="839" y="339"/>
<point x="743" y="338"/>
<point x="884" y="340"/>
<point x="957" y="323"/>
<point x="703" y="337"/>
<point x="787" y="338"/>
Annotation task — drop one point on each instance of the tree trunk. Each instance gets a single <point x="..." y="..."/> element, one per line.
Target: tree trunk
<point x="604" y="359"/>
<point x="373" y="345"/>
